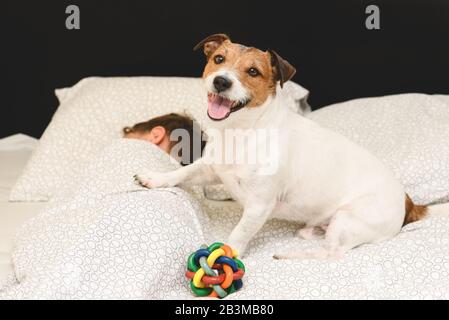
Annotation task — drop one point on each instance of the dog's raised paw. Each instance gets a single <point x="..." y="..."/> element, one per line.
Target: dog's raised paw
<point x="141" y="181"/>
<point x="150" y="179"/>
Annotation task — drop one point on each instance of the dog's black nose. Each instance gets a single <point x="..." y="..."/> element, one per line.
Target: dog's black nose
<point x="222" y="83"/>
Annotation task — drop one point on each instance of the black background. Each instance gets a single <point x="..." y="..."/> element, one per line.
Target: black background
<point x="283" y="309"/>
<point x="337" y="58"/>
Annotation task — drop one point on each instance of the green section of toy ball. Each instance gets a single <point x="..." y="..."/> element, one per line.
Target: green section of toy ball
<point x="215" y="246"/>
<point x="200" y="292"/>
<point x="191" y="263"/>
<point x="231" y="289"/>
<point x="240" y="264"/>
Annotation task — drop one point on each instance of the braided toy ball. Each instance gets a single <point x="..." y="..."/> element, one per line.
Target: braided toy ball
<point x="215" y="271"/>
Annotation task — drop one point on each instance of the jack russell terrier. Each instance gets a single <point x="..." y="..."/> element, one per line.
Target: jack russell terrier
<point x="323" y="180"/>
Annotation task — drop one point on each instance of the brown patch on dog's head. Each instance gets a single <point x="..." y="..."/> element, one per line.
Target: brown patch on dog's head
<point x="211" y="43"/>
<point x="284" y="71"/>
<point x="256" y="71"/>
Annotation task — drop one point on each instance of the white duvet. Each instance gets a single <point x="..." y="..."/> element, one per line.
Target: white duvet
<point x="113" y="239"/>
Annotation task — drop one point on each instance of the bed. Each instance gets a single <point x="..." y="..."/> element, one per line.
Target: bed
<point x="14" y="152"/>
<point x="415" y="264"/>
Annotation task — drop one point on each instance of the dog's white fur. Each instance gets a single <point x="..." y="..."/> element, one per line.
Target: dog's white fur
<point x="324" y="181"/>
<point x="236" y="92"/>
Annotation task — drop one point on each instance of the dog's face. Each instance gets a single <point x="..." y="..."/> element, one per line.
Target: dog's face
<point x="237" y="76"/>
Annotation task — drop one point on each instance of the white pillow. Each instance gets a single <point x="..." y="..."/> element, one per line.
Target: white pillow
<point x="94" y="111"/>
<point x="112" y="169"/>
<point x="408" y="132"/>
<point x="71" y="250"/>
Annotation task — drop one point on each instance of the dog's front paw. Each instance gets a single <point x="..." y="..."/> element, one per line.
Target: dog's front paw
<point x="152" y="179"/>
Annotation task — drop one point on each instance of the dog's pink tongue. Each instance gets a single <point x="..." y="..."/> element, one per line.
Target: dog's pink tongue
<point x="219" y="108"/>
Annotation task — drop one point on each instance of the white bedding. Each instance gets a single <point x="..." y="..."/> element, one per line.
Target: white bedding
<point x="14" y="153"/>
<point x="118" y="240"/>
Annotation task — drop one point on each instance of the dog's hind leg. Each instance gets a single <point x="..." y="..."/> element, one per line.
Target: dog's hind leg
<point x="311" y="233"/>
<point x="339" y="238"/>
<point x="347" y="229"/>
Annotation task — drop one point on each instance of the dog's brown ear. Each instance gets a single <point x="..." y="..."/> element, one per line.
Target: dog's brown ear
<point x="211" y="43"/>
<point x="284" y="70"/>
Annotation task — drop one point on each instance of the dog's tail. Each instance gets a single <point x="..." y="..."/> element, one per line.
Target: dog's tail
<point x="415" y="212"/>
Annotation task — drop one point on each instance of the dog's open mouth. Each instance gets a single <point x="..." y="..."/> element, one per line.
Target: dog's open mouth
<point x="220" y="108"/>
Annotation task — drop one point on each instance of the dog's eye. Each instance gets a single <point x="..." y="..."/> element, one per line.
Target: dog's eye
<point x="218" y="59"/>
<point x="253" y="72"/>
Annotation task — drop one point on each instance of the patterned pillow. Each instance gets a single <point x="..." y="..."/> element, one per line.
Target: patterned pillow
<point x="408" y="132"/>
<point x="112" y="169"/>
<point x="93" y="112"/>
<point x="101" y="176"/>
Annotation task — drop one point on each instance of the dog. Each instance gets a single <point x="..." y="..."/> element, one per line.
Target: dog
<point x="333" y="187"/>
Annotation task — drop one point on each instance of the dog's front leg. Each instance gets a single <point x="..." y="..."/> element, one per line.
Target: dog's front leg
<point x="197" y="173"/>
<point x="253" y="218"/>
